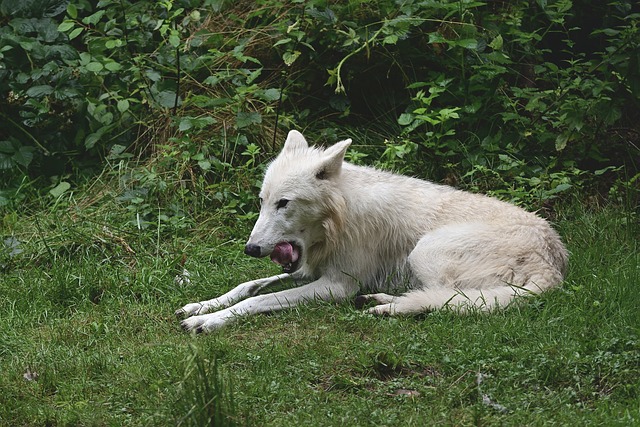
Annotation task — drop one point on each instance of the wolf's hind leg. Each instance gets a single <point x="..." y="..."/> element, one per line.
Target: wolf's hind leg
<point x="363" y="300"/>
<point x="476" y="266"/>
<point x="418" y="301"/>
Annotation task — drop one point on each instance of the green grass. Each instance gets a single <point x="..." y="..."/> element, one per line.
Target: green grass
<point x="95" y="324"/>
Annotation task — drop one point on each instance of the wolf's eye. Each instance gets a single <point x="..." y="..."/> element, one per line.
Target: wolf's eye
<point x="281" y="203"/>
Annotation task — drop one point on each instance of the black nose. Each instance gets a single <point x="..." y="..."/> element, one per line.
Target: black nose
<point x="252" y="250"/>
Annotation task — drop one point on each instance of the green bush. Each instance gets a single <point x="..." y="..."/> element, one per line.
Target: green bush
<point x="527" y="99"/>
<point x="493" y="96"/>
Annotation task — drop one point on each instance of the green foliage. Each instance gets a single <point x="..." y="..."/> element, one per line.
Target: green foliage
<point x="527" y="99"/>
<point x="496" y="89"/>
<point x="116" y="78"/>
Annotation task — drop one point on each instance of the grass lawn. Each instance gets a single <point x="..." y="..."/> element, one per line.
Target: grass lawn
<point x="89" y="337"/>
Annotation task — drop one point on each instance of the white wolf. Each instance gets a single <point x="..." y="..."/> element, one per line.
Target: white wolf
<point x="347" y="228"/>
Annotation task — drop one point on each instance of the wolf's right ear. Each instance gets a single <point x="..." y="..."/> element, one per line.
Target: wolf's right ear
<point x="295" y="141"/>
<point x="333" y="158"/>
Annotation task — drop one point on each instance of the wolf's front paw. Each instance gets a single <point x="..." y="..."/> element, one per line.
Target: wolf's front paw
<point x="192" y="323"/>
<point x="205" y="323"/>
<point x="189" y="310"/>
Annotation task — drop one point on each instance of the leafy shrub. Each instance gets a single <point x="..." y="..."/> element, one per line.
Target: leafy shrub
<point x="525" y="99"/>
<point x="494" y="95"/>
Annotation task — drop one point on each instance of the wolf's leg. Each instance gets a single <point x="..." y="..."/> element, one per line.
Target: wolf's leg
<point x="475" y="266"/>
<point x="446" y="260"/>
<point x="321" y="289"/>
<point x="238" y="293"/>
<point x="362" y="300"/>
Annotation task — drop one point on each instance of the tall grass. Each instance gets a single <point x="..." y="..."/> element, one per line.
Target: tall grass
<point x="204" y="398"/>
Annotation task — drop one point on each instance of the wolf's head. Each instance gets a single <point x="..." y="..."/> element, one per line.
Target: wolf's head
<point x="301" y="205"/>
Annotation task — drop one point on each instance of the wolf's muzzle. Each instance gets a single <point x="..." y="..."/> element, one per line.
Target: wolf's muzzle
<point x="252" y="250"/>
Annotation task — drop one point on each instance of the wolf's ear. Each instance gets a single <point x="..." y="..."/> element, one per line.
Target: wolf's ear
<point x="295" y="141"/>
<point x="332" y="160"/>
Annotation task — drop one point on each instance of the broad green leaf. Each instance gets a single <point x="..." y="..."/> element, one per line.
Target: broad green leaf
<point x="113" y="66"/>
<point x="270" y="94"/>
<point x="391" y="39"/>
<point x="561" y="187"/>
<point x="39" y="91"/>
<point x="7" y="147"/>
<point x="153" y="75"/>
<point x="23" y="156"/>
<point x="167" y="99"/>
<point x="111" y="43"/>
<point x="94" y="18"/>
<point x="123" y="105"/>
<point x="216" y="5"/>
<point x="254" y="75"/>
<point x="72" y="10"/>
<point x="106" y="118"/>
<point x="29" y="45"/>
<point x="174" y="39"/>
<point x="66" y="26"/>
<point x="405" y="119"/>
<point x="449" y="113"/>
<point x="54" y="8"/>
<point x="497" y="43"/>
<point x="94" y="67"/>
<point x="282" y="41"/>
<point x="60" y="189"/>
<point x="85" y="58"/>
<point x="116" y="150"/>
<point x="75" y="33"/>
<point x="417" y="85"/>
<point x="91" y="139"/>
<point x="185" y="124"/>
<point x="202" y="122"/>
<point x="437" y="38"/>
<point x="468" y="43"/>
<point x="561" y="141"/>
<point x="245" y="119"/>
<point x="290" y="57"/>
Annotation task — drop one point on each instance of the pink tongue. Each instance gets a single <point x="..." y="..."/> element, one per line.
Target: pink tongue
<point x="284" y="253"/>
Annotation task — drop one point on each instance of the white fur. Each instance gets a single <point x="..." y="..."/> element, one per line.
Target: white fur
<point x="362" y="229"/>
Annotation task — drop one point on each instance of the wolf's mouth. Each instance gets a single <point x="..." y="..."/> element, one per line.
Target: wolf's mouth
<point x="287" y="254"/>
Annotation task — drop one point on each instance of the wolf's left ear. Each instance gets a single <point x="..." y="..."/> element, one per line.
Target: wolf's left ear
<point x="332" y="160"/>
<point x="295" y="141"/>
